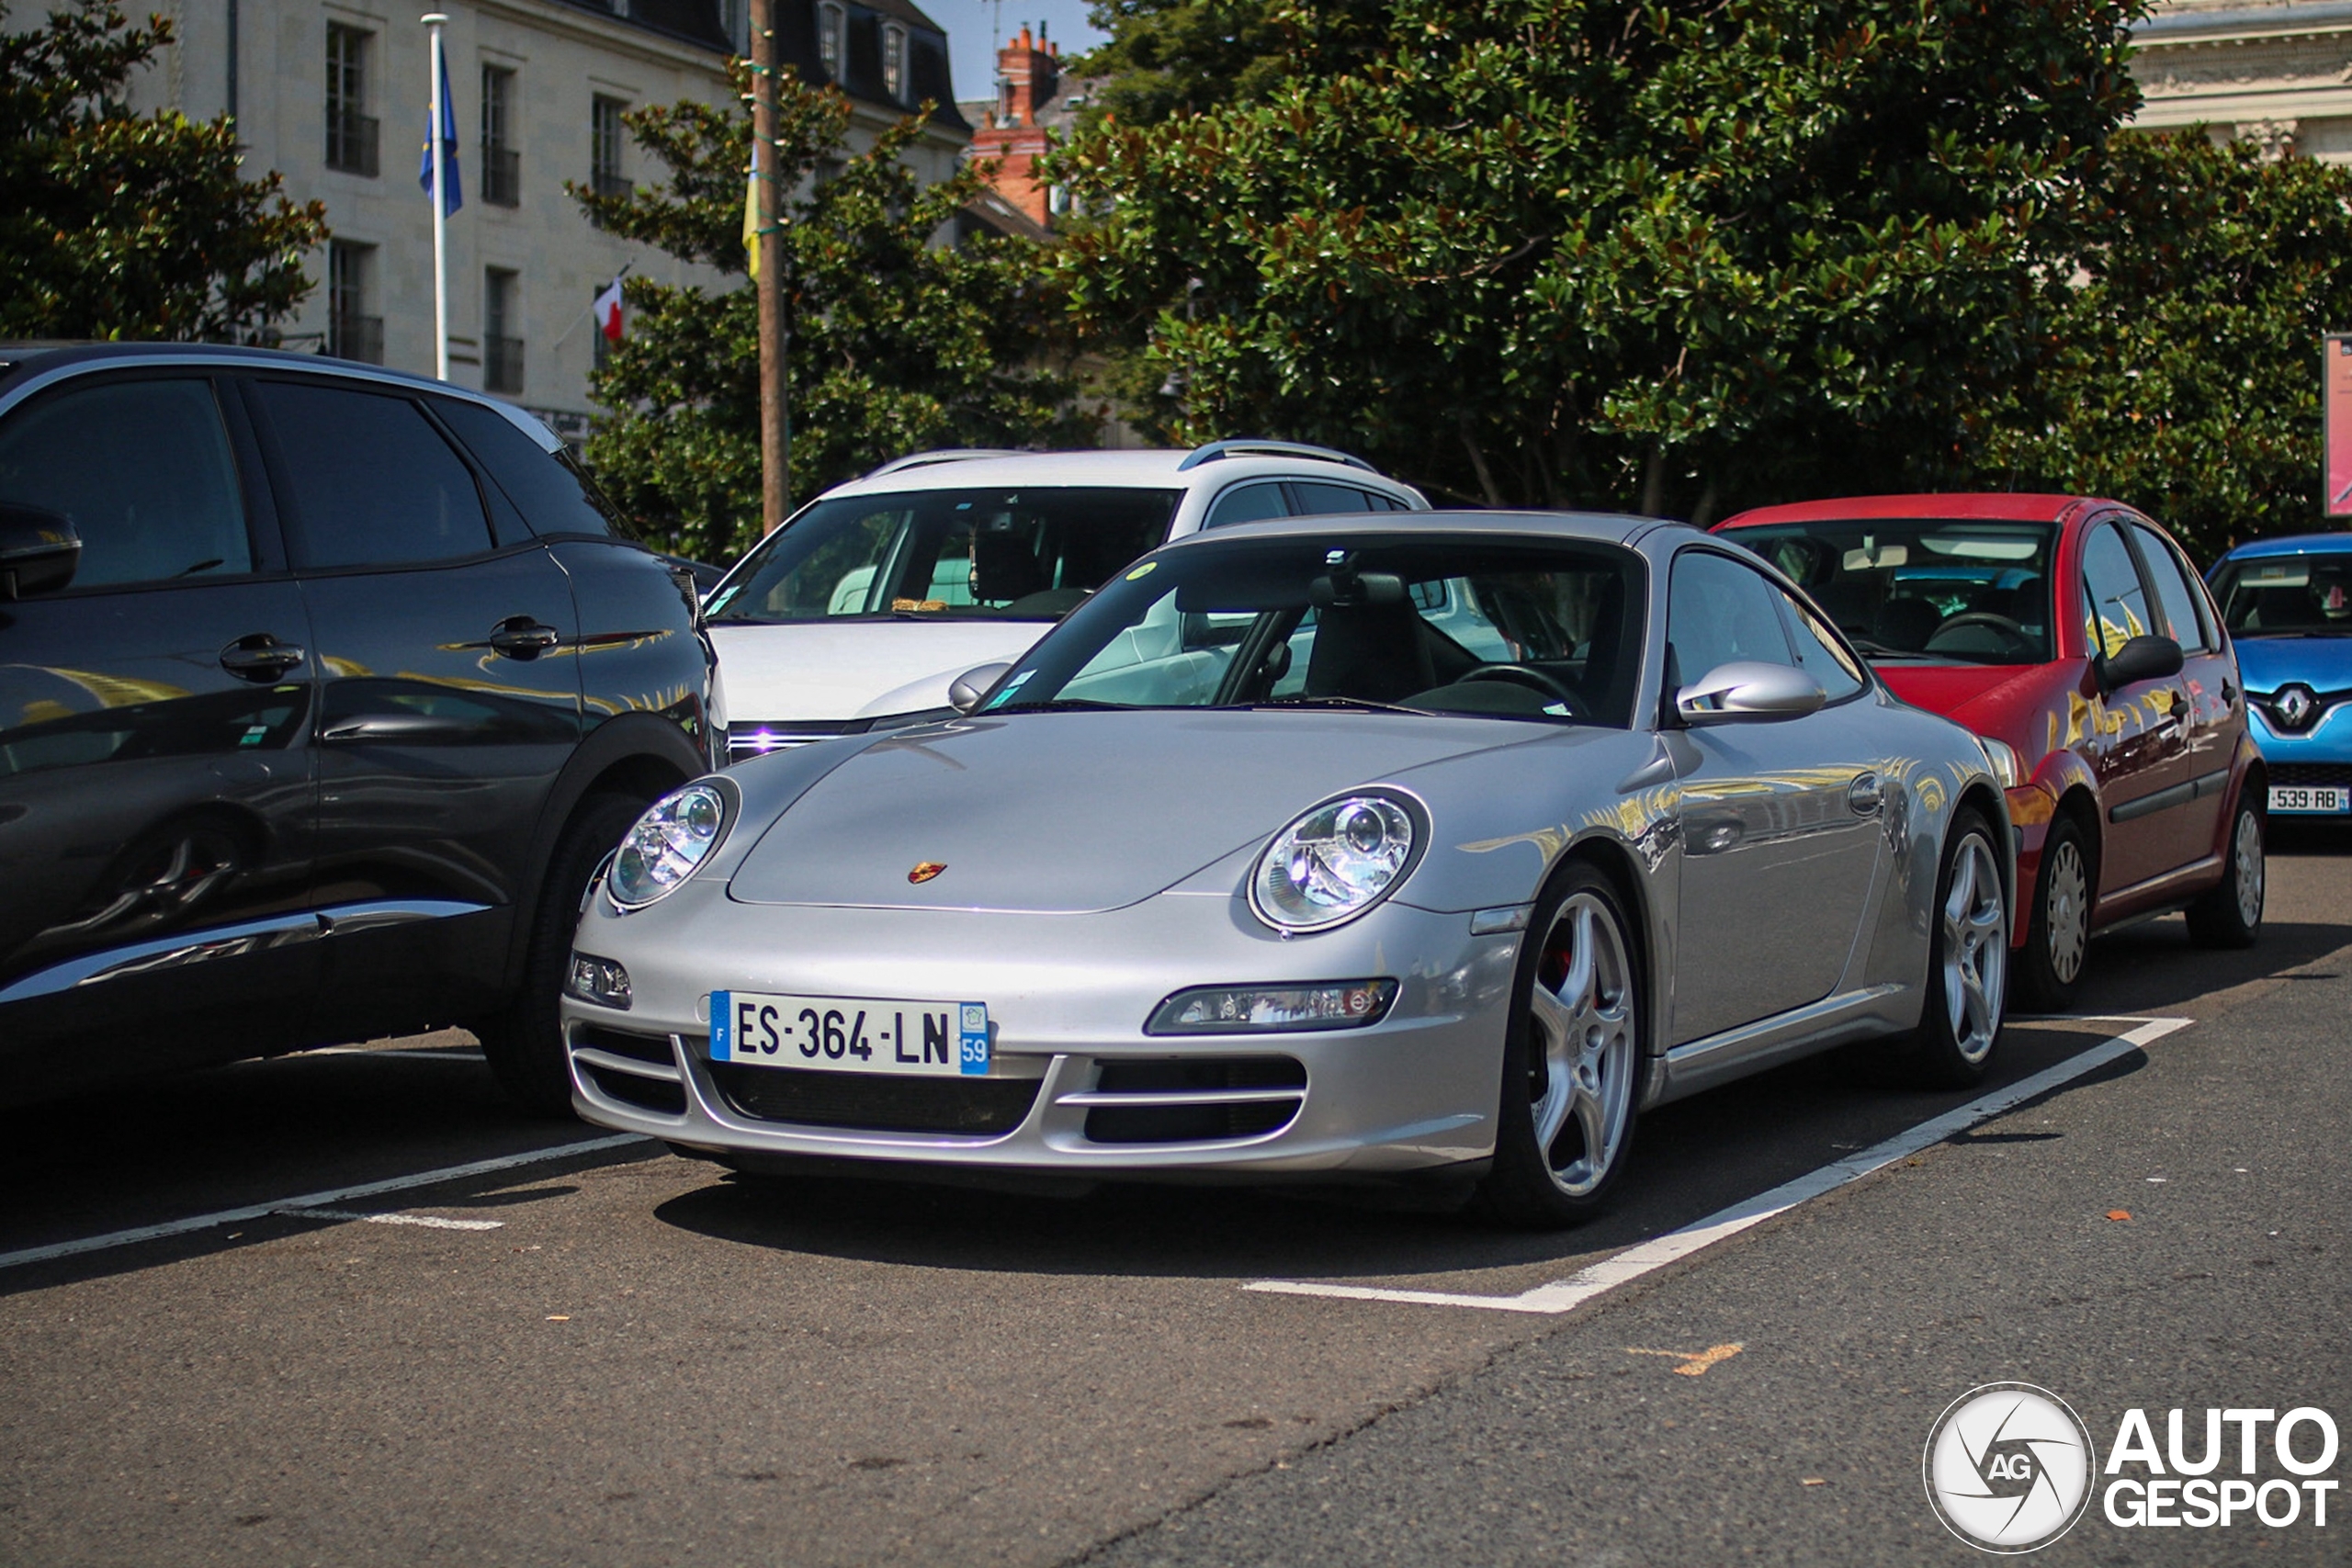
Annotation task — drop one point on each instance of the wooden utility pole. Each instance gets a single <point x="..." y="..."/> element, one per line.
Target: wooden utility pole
<point x="767" y="272"/>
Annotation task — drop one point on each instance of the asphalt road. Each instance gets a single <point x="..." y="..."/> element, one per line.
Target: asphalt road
<point x="615" y="1356"/>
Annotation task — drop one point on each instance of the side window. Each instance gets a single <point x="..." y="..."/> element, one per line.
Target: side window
<point x="1820" y="654"/>
<point x="2118" y="608"/>
<point x="1719" y="610"/>
<point x="1315" y="498"/>
<point x="554" y="496"/>
<point x="2183" y="610"/>
<point x="374" y="484"/>
<point x="141" y="470"/>
<point x="1248" y="503"/>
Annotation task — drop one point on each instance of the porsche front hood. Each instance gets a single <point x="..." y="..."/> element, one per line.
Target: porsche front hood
<point x="1071" y="813"/>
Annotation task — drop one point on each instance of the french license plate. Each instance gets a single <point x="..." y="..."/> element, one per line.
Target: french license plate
<point x="2300" y="797"/>
<point x="850" y="1034"/>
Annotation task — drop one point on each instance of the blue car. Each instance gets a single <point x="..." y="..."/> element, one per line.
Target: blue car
<point x="2287" y="604"/>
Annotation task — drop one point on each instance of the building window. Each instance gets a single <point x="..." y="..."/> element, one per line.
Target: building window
<point x="351" y="333"/>
<point x="351" y="132"/>
<point x="502" y="332"/>
<point x="894" y="63"/>
<point x="832" y="23"/>
<point x="502" y="165"/>
<point x="604" y="147"/>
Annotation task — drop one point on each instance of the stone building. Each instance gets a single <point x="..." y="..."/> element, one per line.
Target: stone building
<point x="1033" y="106"/>
<point x="332" y="94"/>
<point x="2278" y="75"/>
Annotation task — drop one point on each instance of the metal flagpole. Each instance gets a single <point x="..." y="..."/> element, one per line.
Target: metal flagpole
<point x="434" y="21"/>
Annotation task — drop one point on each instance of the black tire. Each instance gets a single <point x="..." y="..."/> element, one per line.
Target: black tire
<point x="2057" y="941"/>
<point x="1959" y="1019"/>
<point x="1541" y="1183"/>
<point x="2229" y="915"/>
<point x="525" y="1043"/>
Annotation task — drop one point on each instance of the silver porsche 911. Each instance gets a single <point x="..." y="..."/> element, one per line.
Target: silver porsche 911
<point x="1335" y="849"/>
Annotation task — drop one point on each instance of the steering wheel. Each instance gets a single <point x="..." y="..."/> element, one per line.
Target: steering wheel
<point x="1998" y="623"/>
<point x="1528" y="675"/>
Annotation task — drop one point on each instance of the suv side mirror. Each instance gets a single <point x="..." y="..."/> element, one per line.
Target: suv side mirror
<point x="965" y="692"/>
<point x="38" y="552"/>
<point x="2141" y="658"/>
<point x="1748" y="692"/>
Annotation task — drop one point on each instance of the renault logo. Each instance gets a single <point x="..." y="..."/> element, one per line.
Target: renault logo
<point x="2294" y="704"/>
<point x="925" y="870"/>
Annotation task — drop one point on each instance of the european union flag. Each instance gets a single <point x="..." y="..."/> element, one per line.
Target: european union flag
<point x="453" y="195"/>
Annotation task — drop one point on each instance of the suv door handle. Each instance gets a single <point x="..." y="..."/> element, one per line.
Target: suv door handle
<point x="519" y="636"/>
<point x="259" y="656"/>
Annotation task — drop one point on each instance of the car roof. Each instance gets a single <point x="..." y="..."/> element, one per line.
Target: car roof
<point x="1156" y="468"/>
<point x="1605" y="527"/>
<point x="22" y="362"/>
<point x="2293" y="545"/>
<point x="1993" y="506"/>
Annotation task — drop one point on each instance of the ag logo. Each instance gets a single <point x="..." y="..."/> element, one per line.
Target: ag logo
<point x="2009" y="1467"/>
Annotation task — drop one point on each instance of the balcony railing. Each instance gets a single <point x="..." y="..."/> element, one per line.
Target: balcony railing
<point x="502" y="363"/>
<point x="356" y="337"/>
<point x="352" y="142"/>
<point x="502" y="177"/>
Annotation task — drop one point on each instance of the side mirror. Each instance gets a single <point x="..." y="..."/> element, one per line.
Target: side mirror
<point x="2141" y="658"/>
<point x="965" y="692"/>
<point x="38" y="552"/>
<point x="1749" y="693"/>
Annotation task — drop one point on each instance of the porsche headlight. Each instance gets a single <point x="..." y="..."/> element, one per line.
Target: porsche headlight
<point x="674" y="837"/>
<point x="2007" y="769"/>
<point x="1333" y="863"/>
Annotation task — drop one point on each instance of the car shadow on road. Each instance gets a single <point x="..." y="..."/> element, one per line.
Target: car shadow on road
<point x="1691" y="1159"/>
<point x="2154" y="967"/>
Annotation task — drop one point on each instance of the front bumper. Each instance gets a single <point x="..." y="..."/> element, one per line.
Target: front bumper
<point x="1068" y="997"/>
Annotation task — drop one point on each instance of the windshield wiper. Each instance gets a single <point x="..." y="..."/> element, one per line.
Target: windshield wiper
<point x="1058" y="704"/>
<point x="1364" y="704"/>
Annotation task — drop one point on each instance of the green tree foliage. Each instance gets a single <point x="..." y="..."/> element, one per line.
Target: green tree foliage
<point x="118" y="225"/>
<point x="2186" y="379"/>
<point x="1612" y="252"/>
<point x="897" y="343"/>
<point x="1172" y="57"/>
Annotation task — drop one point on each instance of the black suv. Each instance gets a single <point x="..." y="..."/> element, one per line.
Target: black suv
<point x="324" y="691"/>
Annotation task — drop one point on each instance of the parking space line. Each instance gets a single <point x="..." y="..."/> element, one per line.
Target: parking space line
<point x="432" y="1222"/>
<point x="1567" y="1295"/>
<point x="313" y="1200"/>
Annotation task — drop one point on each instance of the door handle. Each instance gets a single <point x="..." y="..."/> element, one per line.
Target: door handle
<point x="1864" y="794"/>
<point x="259" y="656"/>
<point x="519" y="636"/>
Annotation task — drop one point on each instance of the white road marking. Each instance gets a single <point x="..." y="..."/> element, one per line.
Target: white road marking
<point x="433" y="1221"/>
<point x="1567" y="1295"/>
<point x="312" y="1200"/>
<point x="425" y="1056"/>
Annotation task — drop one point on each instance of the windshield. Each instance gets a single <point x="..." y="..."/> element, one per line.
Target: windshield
<point x="2287" y="596"/>
<point x="1021" y="555"/>
<point x="1913" y="591"/>
<point x="1510" y="629"/>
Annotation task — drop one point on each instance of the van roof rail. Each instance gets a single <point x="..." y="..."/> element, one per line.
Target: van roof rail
<point x="944" y="455"/>
<point x="1259" y="446"/>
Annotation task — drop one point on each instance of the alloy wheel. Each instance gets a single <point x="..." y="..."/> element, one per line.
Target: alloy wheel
<point x="1582" y="1012"/>
<point x="1975" y="949"/>
<point x="2247" y="850"/>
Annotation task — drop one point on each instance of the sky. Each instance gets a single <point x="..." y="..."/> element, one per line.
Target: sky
<point x="968" y="23"/>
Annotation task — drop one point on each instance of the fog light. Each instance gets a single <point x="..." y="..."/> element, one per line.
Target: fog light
<point x="1239" y="1009"/>
<point x="598" y="980"/>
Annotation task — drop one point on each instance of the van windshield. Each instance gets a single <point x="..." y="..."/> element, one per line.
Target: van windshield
<point x="1021" y="555"/>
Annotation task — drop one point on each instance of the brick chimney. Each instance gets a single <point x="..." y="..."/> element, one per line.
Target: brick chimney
<point x="1028" y="70"/>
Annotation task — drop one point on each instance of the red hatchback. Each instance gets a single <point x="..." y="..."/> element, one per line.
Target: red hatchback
<point x="2112" y="705"/>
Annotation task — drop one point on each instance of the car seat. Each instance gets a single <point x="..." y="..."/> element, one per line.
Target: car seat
<point x="1377" y="653"/>
<point x="1905" y="625"/>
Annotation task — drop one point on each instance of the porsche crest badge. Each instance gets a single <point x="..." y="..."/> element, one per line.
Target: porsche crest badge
<point x="925" y="870"/>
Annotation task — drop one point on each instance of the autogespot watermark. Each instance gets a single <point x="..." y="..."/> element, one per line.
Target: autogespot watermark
<point x="2011" y="1468"/>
